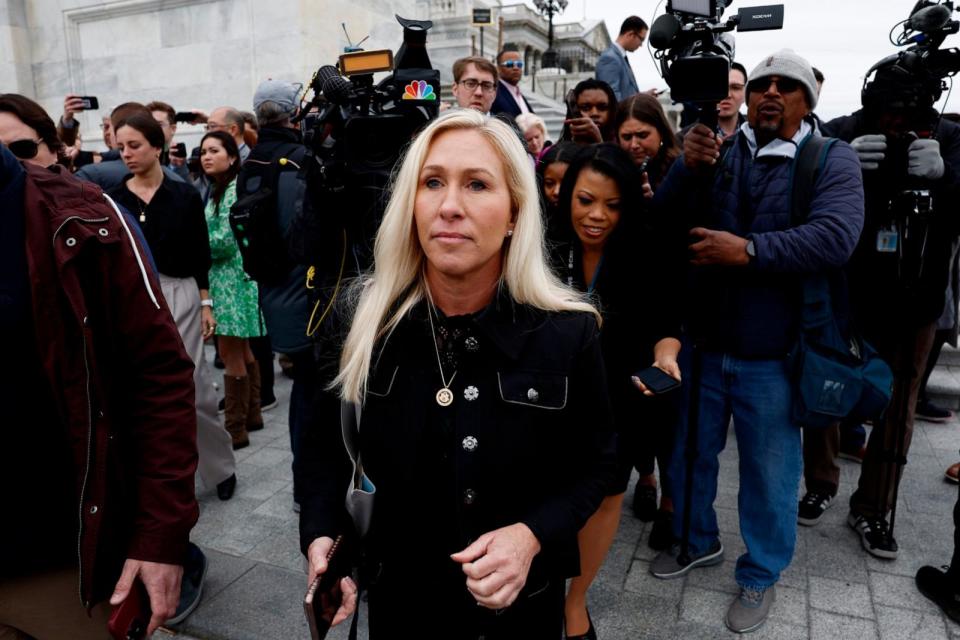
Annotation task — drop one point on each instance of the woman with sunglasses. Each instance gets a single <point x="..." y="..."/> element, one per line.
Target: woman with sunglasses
<point x="27" y="130"/>
<point x="236" y="294"/>
<point x="170" y="213"/>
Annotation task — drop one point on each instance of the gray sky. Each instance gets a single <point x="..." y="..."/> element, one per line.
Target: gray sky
<point x="843" y="38"/>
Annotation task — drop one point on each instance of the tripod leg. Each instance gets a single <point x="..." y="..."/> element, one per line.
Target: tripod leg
<point x="690" y="454"/>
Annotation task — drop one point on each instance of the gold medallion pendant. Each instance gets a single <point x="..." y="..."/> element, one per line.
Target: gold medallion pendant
<point x="444" y="397"/>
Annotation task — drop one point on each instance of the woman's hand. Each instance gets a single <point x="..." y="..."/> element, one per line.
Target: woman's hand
<point x="317" y="565"/>
<point x="665" y="354"/>
<point x="647" y="189"/>
<point x="584" y="130"/>
<point x="207" y="323"/>
<point x="497" y="564"/>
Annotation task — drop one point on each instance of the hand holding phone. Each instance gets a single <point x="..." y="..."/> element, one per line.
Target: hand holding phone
<point x="655" y="380"/>
<point x="129" y="619"/>
<point x="332" y="595"/>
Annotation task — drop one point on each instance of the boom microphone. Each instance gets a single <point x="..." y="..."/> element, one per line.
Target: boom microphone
<point x="929" y="19"/>
<point x="335" y="88"/>
<point x="664" y="30"/>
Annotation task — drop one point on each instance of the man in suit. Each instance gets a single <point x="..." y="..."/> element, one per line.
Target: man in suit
<point x="613" y="66"/>
<point x="510" y="100"/>
<point x="474" y="83"/>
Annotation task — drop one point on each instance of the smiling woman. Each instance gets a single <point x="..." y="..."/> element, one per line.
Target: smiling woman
<point x="485" y="423"/>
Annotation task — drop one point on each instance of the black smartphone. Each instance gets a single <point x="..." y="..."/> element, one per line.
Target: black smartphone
<point x="130" y="619"/>
<point x="656" y="380"/>
<point x="90" y="103"/>
<point x="179" y="150"/>
<point x="324" y="596"/>
<point x="186" y="116"/>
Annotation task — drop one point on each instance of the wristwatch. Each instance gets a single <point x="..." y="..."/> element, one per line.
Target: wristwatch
<point x="751" y="250"/>
<point x="207" y="303"/>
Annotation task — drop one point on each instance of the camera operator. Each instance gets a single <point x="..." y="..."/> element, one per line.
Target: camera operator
<point x="742" y="317"/>
<point x="897" y="277"/>
<point x="279" y="154"/>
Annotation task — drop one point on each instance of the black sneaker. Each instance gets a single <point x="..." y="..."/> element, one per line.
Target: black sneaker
<point x="874" y="536"/>
<point x="930" y="412"/>
<point x="937" y="585"/>
<point x="191" y="588"/>
<point x="812" y="507"/>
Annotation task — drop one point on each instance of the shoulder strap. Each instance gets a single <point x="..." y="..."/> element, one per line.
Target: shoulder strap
<point x="350" y="428"/>
<point x="809" y="163"/>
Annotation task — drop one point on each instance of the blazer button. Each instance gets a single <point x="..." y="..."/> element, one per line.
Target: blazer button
<point x="533" y="395"/>
<point x="469" y="444"/>
<point x="472" y="344"/>
<point x="471" y="393"/>
<point x="469" y="497"/>
<point x="71" y="241"/>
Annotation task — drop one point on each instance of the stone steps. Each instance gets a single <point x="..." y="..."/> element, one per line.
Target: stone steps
<point x="944" y="385"/>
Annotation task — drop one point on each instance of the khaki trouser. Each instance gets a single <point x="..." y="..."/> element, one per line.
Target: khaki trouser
<point x="46" y="606"/>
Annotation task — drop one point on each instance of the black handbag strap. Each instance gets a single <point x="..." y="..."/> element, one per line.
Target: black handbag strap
<point x="817" y="310"/>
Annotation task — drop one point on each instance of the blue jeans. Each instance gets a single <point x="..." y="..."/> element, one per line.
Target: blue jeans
<point x="756" y="393"/>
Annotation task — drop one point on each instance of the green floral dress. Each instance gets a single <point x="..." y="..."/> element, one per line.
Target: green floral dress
<point x="236" y="307"/>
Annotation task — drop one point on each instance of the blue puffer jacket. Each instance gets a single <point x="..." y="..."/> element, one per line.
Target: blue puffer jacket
<point x="753" y="311"/>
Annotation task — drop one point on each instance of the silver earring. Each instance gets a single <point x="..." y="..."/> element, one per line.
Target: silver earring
<point x="509" y="232"/>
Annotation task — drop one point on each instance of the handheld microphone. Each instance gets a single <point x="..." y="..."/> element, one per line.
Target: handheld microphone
<point x="928" y="19"/>
<point x="664" y="30"/>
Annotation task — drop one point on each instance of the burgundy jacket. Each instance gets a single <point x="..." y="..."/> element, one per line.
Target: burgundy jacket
<point x="121" y="379"/>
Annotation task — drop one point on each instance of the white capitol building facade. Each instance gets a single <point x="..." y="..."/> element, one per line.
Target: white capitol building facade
<point x="207" y="53"/>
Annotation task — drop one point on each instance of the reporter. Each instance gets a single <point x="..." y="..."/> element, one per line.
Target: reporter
<point x="592" y="122"/>
<point x="485" y="423"/>
<point x="644" y="132"/>
<point x="606" y="247"/>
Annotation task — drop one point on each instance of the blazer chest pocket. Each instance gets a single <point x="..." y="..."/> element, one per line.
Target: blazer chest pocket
<point x="538" y="389"/>
<point x="382" y="381"/>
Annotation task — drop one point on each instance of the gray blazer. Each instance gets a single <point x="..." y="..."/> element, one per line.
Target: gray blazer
<point x="613" y="69"/>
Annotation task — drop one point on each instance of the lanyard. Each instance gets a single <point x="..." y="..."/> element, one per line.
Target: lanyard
<point x="570" y="272"/>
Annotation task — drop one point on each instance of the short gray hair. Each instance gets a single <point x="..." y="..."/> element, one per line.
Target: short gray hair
<point x="269" y="112"/>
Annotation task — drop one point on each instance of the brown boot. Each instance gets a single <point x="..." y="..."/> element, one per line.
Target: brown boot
<point x="254" y="417"/>
<point x="236" y="401"/>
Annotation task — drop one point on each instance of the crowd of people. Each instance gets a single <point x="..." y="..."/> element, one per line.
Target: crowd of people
<point x="493" y="367"/>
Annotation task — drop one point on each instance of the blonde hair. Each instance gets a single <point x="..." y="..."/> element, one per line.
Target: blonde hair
<point x="397" y="284"/>
<point x="527" y="120"/>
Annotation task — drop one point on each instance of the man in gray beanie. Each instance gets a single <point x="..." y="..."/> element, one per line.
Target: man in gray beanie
<point x="743" y="317"/>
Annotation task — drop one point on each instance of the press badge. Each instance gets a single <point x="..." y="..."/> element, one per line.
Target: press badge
<point x="888" y="240"/>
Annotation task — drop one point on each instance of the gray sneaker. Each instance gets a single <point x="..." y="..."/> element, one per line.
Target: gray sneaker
<point x="667" y="564"/>
<point x="749" y="611"/>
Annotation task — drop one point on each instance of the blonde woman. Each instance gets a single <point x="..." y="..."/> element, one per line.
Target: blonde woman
<point x="534" y="132"/>
<point x="485" y="426"/>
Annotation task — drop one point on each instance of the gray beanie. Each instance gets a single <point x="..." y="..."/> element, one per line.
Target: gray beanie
<point x="787" y="64"/>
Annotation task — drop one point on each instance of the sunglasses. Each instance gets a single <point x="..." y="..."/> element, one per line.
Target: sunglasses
<point x="512" y="64"/>
<point x="24" y="149"/>
<point x="784" y="85"/>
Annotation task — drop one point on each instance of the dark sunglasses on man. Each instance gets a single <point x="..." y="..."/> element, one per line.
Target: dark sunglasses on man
<point x="24" y="149"/>
<point x="512" y="64"/>
<point x="784" y="85"/>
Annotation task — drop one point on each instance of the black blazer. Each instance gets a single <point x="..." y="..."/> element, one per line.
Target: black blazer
<point x="528" y="438"/>
<point x="504" y="102"/>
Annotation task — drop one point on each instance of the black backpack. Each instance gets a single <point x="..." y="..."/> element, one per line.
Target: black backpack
<point x="255" y="222"/>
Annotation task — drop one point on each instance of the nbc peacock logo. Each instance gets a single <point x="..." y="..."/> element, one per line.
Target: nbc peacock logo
<point x="419" y="90"/>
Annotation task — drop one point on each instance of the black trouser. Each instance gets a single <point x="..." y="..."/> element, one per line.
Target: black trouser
<point x="940" y="338"/>
<point x="420" y="609"/>
<point x="263" y="353"/>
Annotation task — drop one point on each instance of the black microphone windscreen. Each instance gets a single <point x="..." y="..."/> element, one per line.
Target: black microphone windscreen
<point x="932" y="18"/>
<point x="663" y="31"/>
<point x="334" y="87"/>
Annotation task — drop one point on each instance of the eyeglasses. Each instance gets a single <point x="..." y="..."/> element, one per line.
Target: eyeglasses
<point x="25" y="149"/>
<point x="512" y="64"/>
<point x="784" y="85"/>
<point x="486" y="85"/>
<point x="215" y="126"/>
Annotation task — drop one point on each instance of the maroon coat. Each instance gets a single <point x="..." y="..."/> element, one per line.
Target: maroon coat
<point x="122" y="382"/>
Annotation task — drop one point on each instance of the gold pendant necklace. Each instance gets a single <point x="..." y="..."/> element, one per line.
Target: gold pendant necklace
<point x="444" y="395"/>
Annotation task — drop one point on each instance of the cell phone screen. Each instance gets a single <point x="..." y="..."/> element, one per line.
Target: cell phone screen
<point x="656" y="380"/>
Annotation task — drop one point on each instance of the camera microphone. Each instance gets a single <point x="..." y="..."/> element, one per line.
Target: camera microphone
<point x="929" y="19"/>
<point x="664" y="30"/>
<point x="335" y="88"/>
